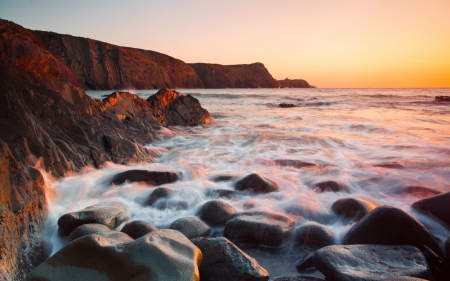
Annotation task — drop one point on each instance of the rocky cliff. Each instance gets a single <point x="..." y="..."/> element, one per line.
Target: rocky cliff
<point x="216" y="76"/>
<point x="294" y="83"/>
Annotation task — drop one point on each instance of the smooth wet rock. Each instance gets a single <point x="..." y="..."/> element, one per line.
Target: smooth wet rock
<point x="390" y="165"/>
<point x="160" y="255"/>
<point x="191" y="227"/>
<point x="352" y="208"/>
<point x="153" y="178"/>
<point x="314" y="234"/>
<point x="257" y="183"/>
<point x="221" y="193"/>
<point x="298" y="278"/>
<point x="332" y="186"/>
<point x="404" y="278"/>
<point x="261" y="228"/>
<point x="111" y="215"/>
<point x="388" y="225"/>
<point x="437" y="206"/>
<point x="138" y="228"/>
<point x="222" y="178"/>
<point x="216" y="212"/>
<point x="295" y="163"/>
<point x="370" y="262"/>
<point x="223" y="261"/>
<point x="286" y="105"/>
<point x="306" y="263"/>
<point x="87" y="229"/>
<point x="158" y="193"/>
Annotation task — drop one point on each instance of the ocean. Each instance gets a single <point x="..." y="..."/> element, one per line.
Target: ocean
<point x="376" y="142"/>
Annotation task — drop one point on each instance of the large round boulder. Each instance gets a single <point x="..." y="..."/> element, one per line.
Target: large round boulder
<point x="164" y="255"/>
<point x="153" y="178"/>
<point x="327" y="186"/>
<point x="352" y="208"/>
<point x="257" y="183"/>
<point x="223" y="261"/>
<point x="438" y="206"/>
<point x="370" y="262"/>
<point x="261" y="228"/>
<point x="111" y="215"/>
<point x="387" y="225"/>
<point x="215" y="212"/>
<point x="192" y="227"/>
<point x="87" y="229"/>
<point x="314" y="234"/>
<point x="137" y="228"/>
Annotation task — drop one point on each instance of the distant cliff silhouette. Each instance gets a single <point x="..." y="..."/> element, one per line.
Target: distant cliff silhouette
<point x="295" y="83"/>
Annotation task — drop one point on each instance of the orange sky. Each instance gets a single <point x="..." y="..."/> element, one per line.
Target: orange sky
<point x="345" y="43"/>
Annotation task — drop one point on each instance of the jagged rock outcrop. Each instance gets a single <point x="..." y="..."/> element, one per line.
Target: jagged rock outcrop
<point x="216" y="76"/>
<point x="294" y="83"/>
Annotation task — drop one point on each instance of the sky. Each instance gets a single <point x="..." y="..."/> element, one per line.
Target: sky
<point x="329" y="43"/>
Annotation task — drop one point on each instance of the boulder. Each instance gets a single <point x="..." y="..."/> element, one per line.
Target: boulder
<point x="327" y="186"/>
<point x="150" y="177"/>
<point x="314" y="234"/>
<point x="221" y="193"/>
<point x="295" y="163"/>
<point x="352" y="208"/>
<point x="437" y="206"/>
<point x="137" y="228"/>
<point x="111" y="215"/>
<point x="370" y="262"/>
<point x="215" y="212"/>
<point x="171" y="108"/>
<point x="257" y="183"/>
<point x="160" y="255"/>
<point x="158" y="193"/>
<point x="388" y="225"/>
<point x="161" y="199"/>
<point x="191" y="227"/>
<point x="223" y="261"/>
<point x="306" y="263"/>
<point x="222" y="178"/>
<point x="419" y="191"/>
<point x="261" y="228"/>
<point x="87" y="229"/>
<point x="298" y="278"/>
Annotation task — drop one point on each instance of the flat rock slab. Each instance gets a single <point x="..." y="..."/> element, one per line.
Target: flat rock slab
<point x="111" y="215"/>
<point x="153" y="178"/>
<point x="262" y="228"/>
<point x="370" y="262"/>
<point x="437" y="206"/>
<point x="223" y="261"/>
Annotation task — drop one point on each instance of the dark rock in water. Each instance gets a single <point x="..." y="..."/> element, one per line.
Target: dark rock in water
<point x="314" y="234"/>
<point x="438" y="206"/>
<point x="298" y="278"/>
<point x="438" y="265"/>
<point x="150" y="177"/>
<point x="158" y="193"/>
<point x="295" y="163"/>
<point x="391" y="165"/>
<point x="160" y="255"/>
<point x="22" y="212"/>
<point x="223" y="261"/>
<point x="286" y="105"/>
<point x="306" y="263"/>
<point x="216" y="76"/>
<point x="160" y="199"/>
<point x="404" y="278"/>
<point x="222" y="178"/>
<point x="333" y="186"/>
<point x="442" y="98"/>
<point x="216" y="212"/>
<point x="370" y="262"/>
<point x="294" y="83"/>
<point x="257" y="183"/>
<point x="391" y="226"/>
<point x="191" y="227"/>
<point x="261" y="228"/>
<point x="137" y="228"/>
<point x="447" y="247"/>
<point x="87" y="229"/>
<point x="171" y="108"/>
<point x="419" y="191"/>
<point x="222" y="193"/>
<point x="352" y="208"/>
<point x="111" y="215"/>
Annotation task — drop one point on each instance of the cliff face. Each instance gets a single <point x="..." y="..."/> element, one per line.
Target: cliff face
<point x="103" y="66"/>
<point x="294" y="83"/>
<point x="216" y="76"/>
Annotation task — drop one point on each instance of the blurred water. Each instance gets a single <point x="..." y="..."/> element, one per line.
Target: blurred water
<point x="375" y="141"/>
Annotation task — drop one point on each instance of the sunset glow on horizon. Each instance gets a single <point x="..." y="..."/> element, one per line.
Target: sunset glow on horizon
<point x="331" y="44"/>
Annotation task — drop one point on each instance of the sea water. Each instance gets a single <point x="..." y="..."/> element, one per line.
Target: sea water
<point x="374" y="141"/>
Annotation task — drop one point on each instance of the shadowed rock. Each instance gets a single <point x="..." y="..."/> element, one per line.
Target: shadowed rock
<point x="223" y="261"/>
<point x="437" y="206"/>
<point x="306" y="263"/>
<point x="447" y="247"/>
<point x="261" y="228"/>
<point x="298" y="278"/>
<point x="295" y="163"/>
<point x="158" y="193"/>
<point x="332" y="186"/>
<point x="313" y="234"/>
<point x="221" y="193"/>
<point x="87" y="229"/>
<point x="419" y="191"/>
<point x="191" y="227"/>
<point x="286" y="105"/>
<point x="137" y="228"/>
<point x="160" y="255"/>
<point x="352" y="208"/>
<point x="370" y="262"/>
<point x="404" y="278"/>
<point x="111" y="215"/>
<point x="442" y="98"/>
<point x="257" y="184"/>
<point x="391" y="226"/>
<point x="150" y="177"/>
<point x="160" y="199"/>
<point x="222" y="178"/>
<point x="216" y="212"/>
